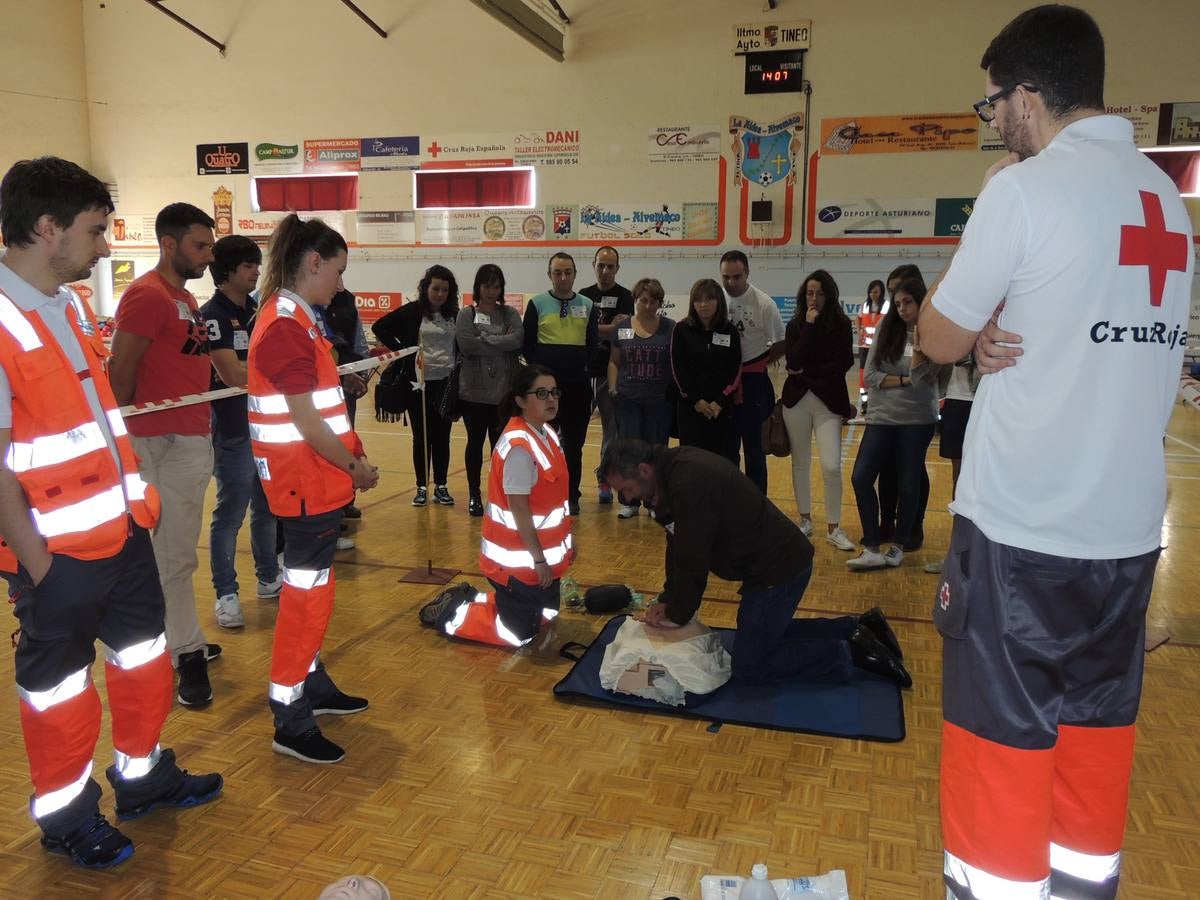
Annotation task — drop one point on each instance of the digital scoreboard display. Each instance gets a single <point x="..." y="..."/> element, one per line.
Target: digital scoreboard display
<point x="775" y="72"/>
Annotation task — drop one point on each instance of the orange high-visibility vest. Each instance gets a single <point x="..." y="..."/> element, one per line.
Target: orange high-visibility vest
<point x="868" y="322"/>
<point x="296" y="479"/>
<point x="80" y="499"/>
<point x="502" y="553"/>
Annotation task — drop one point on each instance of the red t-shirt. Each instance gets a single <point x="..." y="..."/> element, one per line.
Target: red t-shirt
<point x="177" y="360"/>
<point x="286" y="357"/>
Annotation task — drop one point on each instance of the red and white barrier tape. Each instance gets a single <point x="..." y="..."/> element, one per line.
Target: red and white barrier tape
<point x="371" y="362"/>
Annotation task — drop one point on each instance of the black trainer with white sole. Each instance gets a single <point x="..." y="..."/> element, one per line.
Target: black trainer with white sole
<point x="310" y="747"/>
<point x="340" y="704"/>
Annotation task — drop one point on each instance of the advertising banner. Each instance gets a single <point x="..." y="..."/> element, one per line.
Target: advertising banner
<point x="130" y="229"/>
<point x="546" y="148"/>
<point x="466" y="151"/>
<point x="122" y="272"/>
<point x="374" y="305"/>
<point x="563" y="221"/>
<point x="766" y="153"/>
<point x="630" y="222"/>
<point x="222" y="159"/>
<point x="872" y="218"/>
<point x="386" y="227"/>
<point x="260" y="225"/>
<point x="332" y="155"/>
<point x="276" y="158"/>
<point x="899" y="134"/>
<point x="755" y="37"/>
<point x="380" y="154"/>
<point x="684" y="144"/>
<point x="1179" y="123"/>
<point x="222" y="199"/>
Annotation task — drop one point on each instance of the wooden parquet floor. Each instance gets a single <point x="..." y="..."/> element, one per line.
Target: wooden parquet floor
<point x="467" y="779"/>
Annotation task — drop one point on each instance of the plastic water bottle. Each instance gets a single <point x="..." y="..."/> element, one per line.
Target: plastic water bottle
<point x="758" y="887"/>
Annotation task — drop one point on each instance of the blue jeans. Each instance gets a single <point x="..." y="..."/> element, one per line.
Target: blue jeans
<point x="238" y="487"/>
<point x="758" y="399"/>
<point x="649" y="420"/>
<point x="904" y="447"/>
<point x="772" y="646"/>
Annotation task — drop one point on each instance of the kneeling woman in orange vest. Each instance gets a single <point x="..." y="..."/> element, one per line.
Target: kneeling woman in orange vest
<point x="310" y="462"/>
<point x="526" y="545"/>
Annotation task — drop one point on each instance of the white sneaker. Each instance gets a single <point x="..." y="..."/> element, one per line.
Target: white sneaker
<point x="894" y="556"/>
<point x="839" y="539"/>
<point x="346" y="543"/>
<point x="268" y="590"/>
<point x="806" y="527"/>
<point x="229" y="611"/>
<point x="868" y="559"/>
<point x="628" y="512"/>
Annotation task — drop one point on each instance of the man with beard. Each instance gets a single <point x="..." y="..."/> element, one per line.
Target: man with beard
<point x="160" y="352"/>
<point x="74" y="517"/>
<point x="1080" y="249"/>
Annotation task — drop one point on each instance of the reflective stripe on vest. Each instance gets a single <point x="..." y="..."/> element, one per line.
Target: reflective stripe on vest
<point x="53" y="449"/>
<point x="986" y="886"/>
<point x="286" y="433"/>
<point x="502" y="631"/>
<point x="1094" y="868"/>
<point x="523" y="559"/>
<point x="70" y="687"/>
<point x="137" y="654"/>
<point x="81" y="516"/>
<point x="549" y="614"/>
<point x="116" y="424"/>
<point x="17" y="325"/>
<point x="276" y="404"/>
<point x="509" y="439"/>
<point x="55" y="800"/>
<point x="136" y="766"/>
<point x="552" y="519"/>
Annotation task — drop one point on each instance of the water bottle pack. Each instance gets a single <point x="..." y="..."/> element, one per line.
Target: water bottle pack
<point x="830" y="886"/>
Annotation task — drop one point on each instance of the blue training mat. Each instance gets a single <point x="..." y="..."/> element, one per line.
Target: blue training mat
<point x="868" y="707"/>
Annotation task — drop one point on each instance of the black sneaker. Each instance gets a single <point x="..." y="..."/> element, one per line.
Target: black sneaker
<point x="311" y="747"/>
<point x="419" y="498"/>
<point x="442" y="496"/>
<point x="179" y="790"/>
<point x="194" y="687"/>
<point x="440" y="610"/>
<point x="350" y="511"/>
<point x="573" y="507"/>
<point x="212" y="651"/>
<point x="341" y="704"/>
<point x="94" y="845"/>
<point x="475" y="506"/>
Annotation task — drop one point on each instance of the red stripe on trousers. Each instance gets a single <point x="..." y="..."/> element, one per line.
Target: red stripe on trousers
<point x="996" y="805"/>
<point x="139" y="700"/>
<point x="61" y="740"/>
<point x="300" y="630"/>
<point x="1091" y="788"/>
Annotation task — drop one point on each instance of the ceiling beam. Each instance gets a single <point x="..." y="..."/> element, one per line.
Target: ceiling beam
<point x="528" y="23"/>
<point x="362" y="15"/>
<point x="157" y="4"/>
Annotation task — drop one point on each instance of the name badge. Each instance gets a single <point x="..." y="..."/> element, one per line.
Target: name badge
<point x="241" y="340"/>
<point x="482" y="318"/>
<point x="908" y="350"/>
<point x="625" y="334"/>
<point x="607" y="302"/>
<point x="185" y="311"/>
<point x="579" y="312"/>
<point x="720" y="340"/>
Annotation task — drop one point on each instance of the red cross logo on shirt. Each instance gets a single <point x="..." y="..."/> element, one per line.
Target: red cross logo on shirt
<point x="434" y="149"/>
<point x="1151" y="245"/>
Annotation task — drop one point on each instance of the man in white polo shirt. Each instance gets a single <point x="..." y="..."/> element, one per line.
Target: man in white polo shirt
<point x="1082" y="247"/>
<point x="760" y="327"/>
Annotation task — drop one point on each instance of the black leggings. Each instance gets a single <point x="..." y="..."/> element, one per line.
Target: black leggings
<point x="439" y="432"/>
<point x="482" y="420"/>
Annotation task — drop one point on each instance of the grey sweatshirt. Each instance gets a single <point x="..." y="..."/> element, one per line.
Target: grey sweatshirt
<point x="913" y="404"/>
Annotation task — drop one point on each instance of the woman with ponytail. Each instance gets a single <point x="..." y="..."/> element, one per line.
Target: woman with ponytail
<point x="310" y="462"/>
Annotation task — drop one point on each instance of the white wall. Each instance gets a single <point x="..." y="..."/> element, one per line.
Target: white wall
<point x="310" y="68"/>
<point x="43" y="89"/>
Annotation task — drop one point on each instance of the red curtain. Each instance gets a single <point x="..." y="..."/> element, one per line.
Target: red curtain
<point x="315" y="192"/>
<point x="457" y="190"/>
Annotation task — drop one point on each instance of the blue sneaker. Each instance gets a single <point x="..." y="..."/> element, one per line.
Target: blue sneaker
<point x="165" y="785"/>
<point x="605" y="494"/>
<point x="94" y="845"/>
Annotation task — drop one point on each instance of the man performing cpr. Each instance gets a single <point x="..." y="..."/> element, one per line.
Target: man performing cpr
<point x="717" y="520"/>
